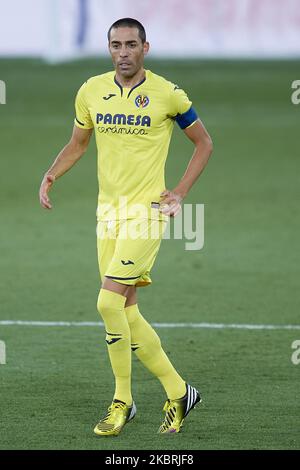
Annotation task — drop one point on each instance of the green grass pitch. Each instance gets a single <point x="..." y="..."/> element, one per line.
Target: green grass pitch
<point x="57" y="380"/>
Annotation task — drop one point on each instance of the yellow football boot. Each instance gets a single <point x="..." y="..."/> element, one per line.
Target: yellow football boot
<point x="177" y="410"/>
<point x="117" y="416"/>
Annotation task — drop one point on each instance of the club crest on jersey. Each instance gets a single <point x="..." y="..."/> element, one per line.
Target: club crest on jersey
<point x="142" y="101"/>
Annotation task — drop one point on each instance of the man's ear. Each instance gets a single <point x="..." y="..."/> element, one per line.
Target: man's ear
<point x="146" y="47"/>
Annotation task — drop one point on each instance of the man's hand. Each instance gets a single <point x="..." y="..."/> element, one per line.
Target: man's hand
<point x="46" y="184"/>
<point x="170" y="203"/>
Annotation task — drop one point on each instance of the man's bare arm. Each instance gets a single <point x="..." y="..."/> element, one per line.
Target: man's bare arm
<point x="69" y="155"/>
<point x="203" y="150"/>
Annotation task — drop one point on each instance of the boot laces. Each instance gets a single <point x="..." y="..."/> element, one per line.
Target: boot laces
<point x="114" y="407"/>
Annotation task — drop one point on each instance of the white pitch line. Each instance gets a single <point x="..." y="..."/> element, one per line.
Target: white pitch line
<point x="220" y="326"/>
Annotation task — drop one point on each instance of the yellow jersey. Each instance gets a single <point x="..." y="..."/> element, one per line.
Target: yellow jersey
<point x="133" y="128"/>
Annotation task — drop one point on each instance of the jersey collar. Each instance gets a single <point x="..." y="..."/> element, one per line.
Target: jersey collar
<point x="133" y="88"/>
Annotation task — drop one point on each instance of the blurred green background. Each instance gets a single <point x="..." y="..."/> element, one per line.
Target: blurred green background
<point x="57" y="380"/>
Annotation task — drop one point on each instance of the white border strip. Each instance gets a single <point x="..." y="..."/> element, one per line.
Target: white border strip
<point x="220" y="326"/>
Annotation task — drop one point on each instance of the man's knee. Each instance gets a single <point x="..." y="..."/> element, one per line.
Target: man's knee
<point x="102" y="302"/>
<point x="110" y="302"/>
<point x="142" y="332"/>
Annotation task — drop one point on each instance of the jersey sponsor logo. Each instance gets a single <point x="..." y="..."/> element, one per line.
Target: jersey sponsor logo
<point x="123" y="119"/>
<point x="142" y="101"/>
<point x="110" y="95"/>
<point x="122" y="130"/>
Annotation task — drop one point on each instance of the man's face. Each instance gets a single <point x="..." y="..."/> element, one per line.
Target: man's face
<point x="127" y="50"/>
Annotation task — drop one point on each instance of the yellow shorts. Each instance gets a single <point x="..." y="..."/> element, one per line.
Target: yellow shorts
<point x="127" y="249"/>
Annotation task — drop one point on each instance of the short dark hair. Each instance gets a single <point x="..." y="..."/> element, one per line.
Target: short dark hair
<point x="130" y="23"/>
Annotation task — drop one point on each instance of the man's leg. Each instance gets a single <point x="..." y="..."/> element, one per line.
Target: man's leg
<point x="147" y="346"/>
<point x="111" y="304"/>
<point x="182" y="397"/>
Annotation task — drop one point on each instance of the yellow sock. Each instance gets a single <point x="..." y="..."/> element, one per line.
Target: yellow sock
<point x="147" y="346"/>
<point x="111" y="307"/>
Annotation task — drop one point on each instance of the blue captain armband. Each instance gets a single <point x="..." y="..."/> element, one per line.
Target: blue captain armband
<point x="186" y="119"/>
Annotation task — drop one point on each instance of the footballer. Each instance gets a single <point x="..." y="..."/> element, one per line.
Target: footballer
<point x="132" y="112"/>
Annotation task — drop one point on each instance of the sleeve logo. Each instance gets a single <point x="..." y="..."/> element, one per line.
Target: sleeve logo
<point x="142" y="101"/>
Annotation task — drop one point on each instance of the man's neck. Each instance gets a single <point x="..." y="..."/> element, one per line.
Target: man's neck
<point x="130" y="82"/>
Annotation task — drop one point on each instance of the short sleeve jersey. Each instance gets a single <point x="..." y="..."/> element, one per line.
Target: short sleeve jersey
<point x="133" y="128"/>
